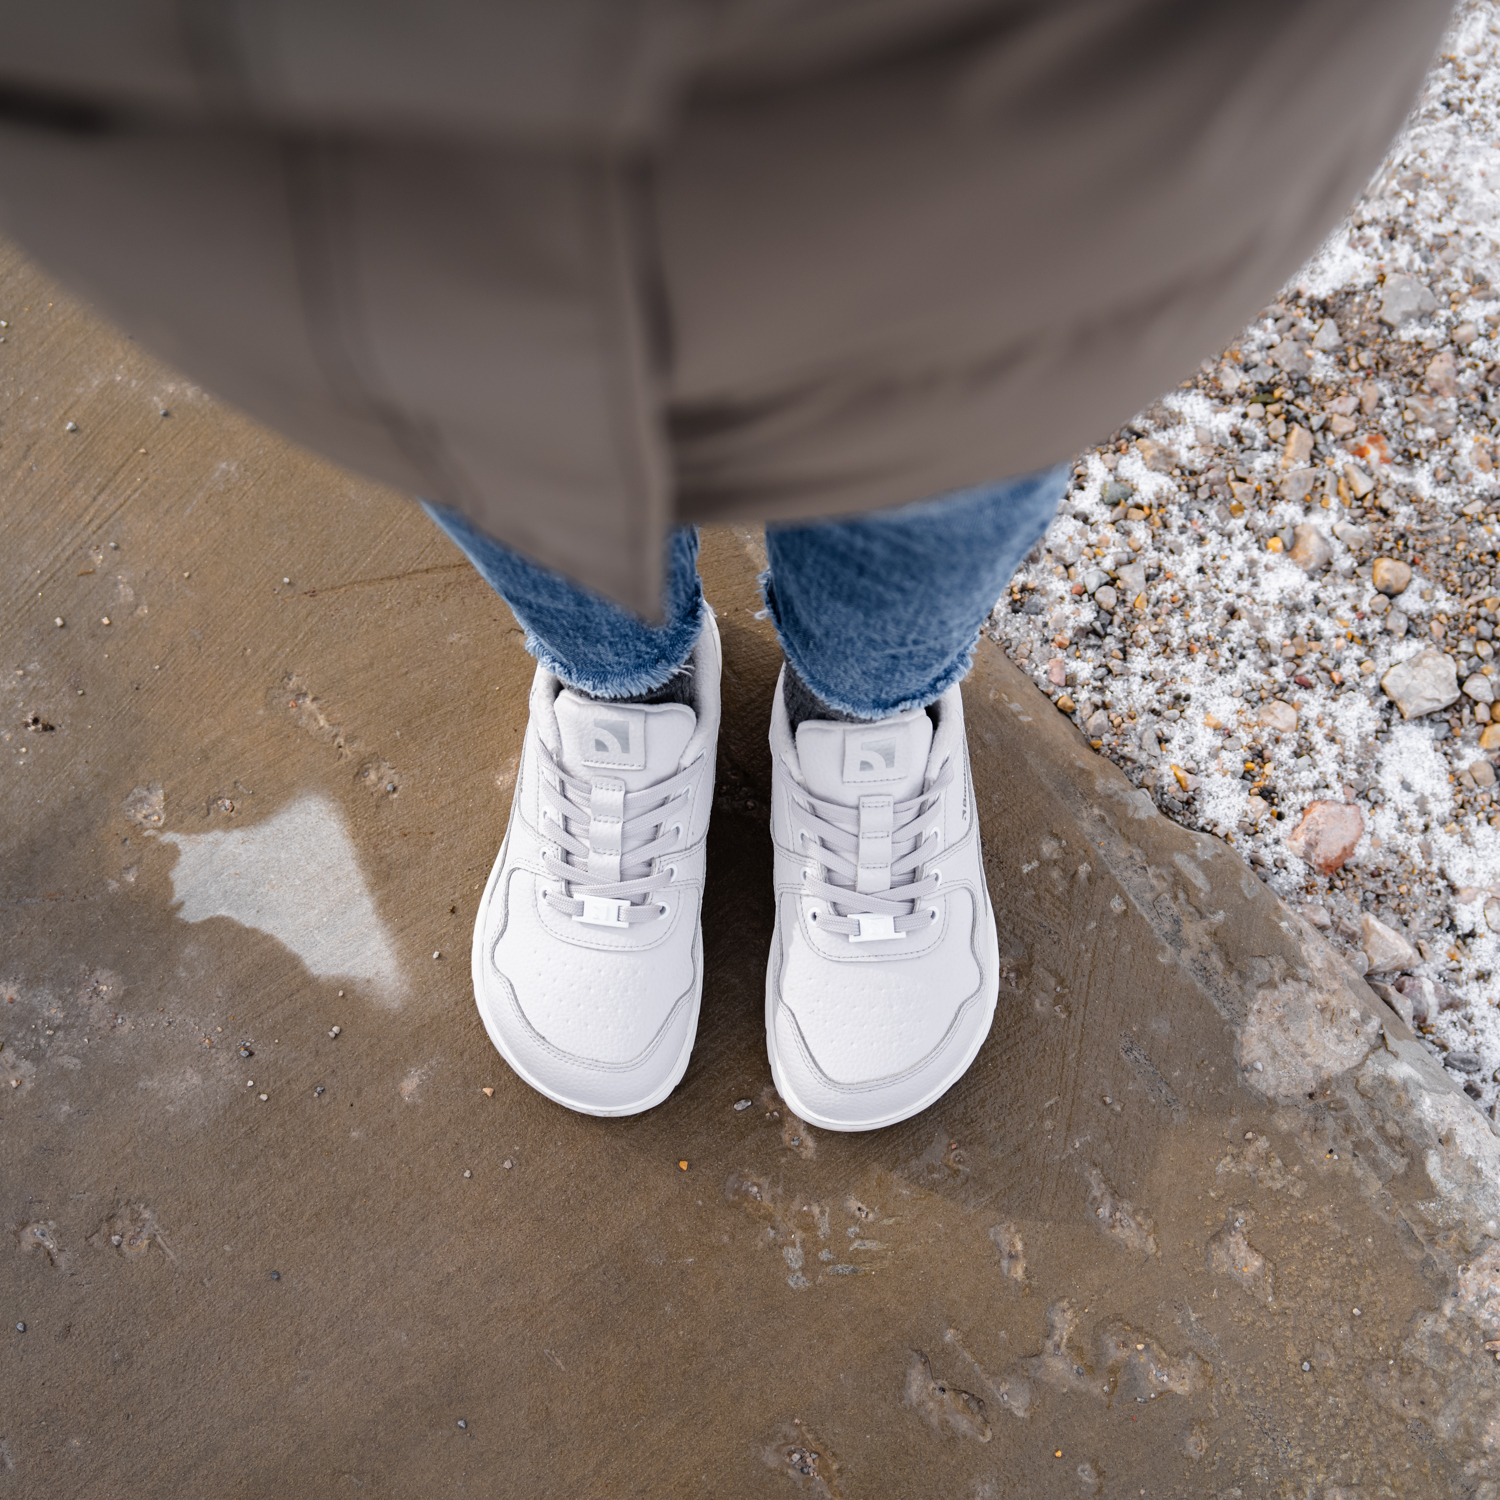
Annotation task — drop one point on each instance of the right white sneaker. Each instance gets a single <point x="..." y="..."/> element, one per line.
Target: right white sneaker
<point x="885" y="965"/>
<point x="588" y="949"/>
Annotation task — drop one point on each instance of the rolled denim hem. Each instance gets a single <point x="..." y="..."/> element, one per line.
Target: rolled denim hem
<point x="586" y="640"/>
<point x="953" y="672"/>
<point x="639" y="677"/>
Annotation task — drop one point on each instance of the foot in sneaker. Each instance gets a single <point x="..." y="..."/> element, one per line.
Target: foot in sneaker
<point x="588" y="951"/>
<point x="884" y="966"/>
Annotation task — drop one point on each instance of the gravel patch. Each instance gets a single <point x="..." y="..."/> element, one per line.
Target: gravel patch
<point x="1273" y="597"/>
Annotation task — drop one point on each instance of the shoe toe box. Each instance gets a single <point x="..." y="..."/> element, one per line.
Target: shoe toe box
<point x="597" y="1029"/>
<point x="857" y="1044"/>
<point x="838" y="1095"/>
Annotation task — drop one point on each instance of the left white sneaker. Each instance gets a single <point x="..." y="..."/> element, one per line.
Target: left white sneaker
<point x="588" y="946"/>
<point x="884" y="966"/>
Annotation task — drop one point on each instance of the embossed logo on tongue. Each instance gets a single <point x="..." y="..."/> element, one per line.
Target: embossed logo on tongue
<point x="616" y="738"/>
<point x="873" y="759"/>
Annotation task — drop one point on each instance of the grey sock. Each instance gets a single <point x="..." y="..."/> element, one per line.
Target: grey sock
<point x="802" y="703"/>
<point x="678" y="688"/>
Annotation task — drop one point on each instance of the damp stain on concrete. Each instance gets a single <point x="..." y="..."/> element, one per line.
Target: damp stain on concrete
<point x="296" y="877"/>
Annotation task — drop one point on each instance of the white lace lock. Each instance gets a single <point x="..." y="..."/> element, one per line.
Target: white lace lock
<point x="873" y="928"/>
<point x="599" y="912"/>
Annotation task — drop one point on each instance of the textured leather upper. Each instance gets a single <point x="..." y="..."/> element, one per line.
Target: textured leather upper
<point x="599" y="1016"/>
<point x="861" y="1031"/>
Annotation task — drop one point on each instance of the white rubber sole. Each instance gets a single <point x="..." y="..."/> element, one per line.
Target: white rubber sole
<point x="925" y="1101"/>
<point x="578" y="1106"/>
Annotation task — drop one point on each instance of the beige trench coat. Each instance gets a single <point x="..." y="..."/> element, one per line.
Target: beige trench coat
<point x="585" y="269"/>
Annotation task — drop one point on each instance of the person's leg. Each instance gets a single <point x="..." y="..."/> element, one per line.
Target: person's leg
<point x="587" y="957"/>
<point x="880" y="613"/>
<point x="579" y="636"/>
<point x="885" y="961"/>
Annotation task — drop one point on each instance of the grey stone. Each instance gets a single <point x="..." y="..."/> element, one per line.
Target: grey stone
<point x="1442" y="374"/>
<point x="1095" y="579"/>
<point x="1310" y="549"/>
<point x="1387" y="950"/>
<point x="1429" y="996"/>
<point x="1106" y="598"/>
<point x="1328" y="338"/>
<point x="1297" y="485"/>
<point x="1132" y="578"/>
<point x="1479" y="687"/>
<point x="1291" y="356"/>
<point x="1404" y="298"/>
<point x="1422" y="684"/>
<point x="1279" y="716"/>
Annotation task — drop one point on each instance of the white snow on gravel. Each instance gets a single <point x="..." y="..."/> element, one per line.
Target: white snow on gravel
<point x="1188" y="515"/>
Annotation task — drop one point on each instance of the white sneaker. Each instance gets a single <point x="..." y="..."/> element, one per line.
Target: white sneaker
<point x="588" y="950"/>
<point x="884" y="966"/>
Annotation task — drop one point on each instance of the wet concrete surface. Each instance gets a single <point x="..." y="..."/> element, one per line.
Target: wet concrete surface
<point x="1201" y="1220"/>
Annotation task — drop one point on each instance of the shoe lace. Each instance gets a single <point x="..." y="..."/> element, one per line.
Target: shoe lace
<point x="608" y="843"/>
<point x="872" y="860"/>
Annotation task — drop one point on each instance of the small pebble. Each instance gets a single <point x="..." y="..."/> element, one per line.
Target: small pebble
<point x="488" y="1093"/>
<point x="334" y="1030"/>
<point x="263" y="1097"/>
<point x="740" y="1104"/>
<point x="463" y="1424"/>
<point x="58" y="620"/>
<point x="72" y="427"/>
<point x="436" y="953"/>
<point x="20" y="1328"/>
<point x="467" y="1172"/>
<point x="508" y="1164"/>
<point x="275" y="1275"/>
<point x="318" y="1092"/>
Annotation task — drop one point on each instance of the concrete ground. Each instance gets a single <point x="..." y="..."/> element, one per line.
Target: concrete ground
<point x="1201" y="1221"/>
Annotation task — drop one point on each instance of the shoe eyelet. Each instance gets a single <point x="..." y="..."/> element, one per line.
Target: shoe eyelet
<point x="812" y="916"/>
<point x="663" y="909"/>
<point x="937" y="878"/>
<point x="805" y="875"/>
<point x="671" y="872"/>
<point x="932" y="914"/>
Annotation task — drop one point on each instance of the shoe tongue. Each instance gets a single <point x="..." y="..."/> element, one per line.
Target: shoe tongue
<point x="641" y="743"/>
<point x="842" y="762"/>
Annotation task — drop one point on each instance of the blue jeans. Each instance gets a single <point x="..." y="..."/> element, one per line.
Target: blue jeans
<point x="878" y="614"/>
